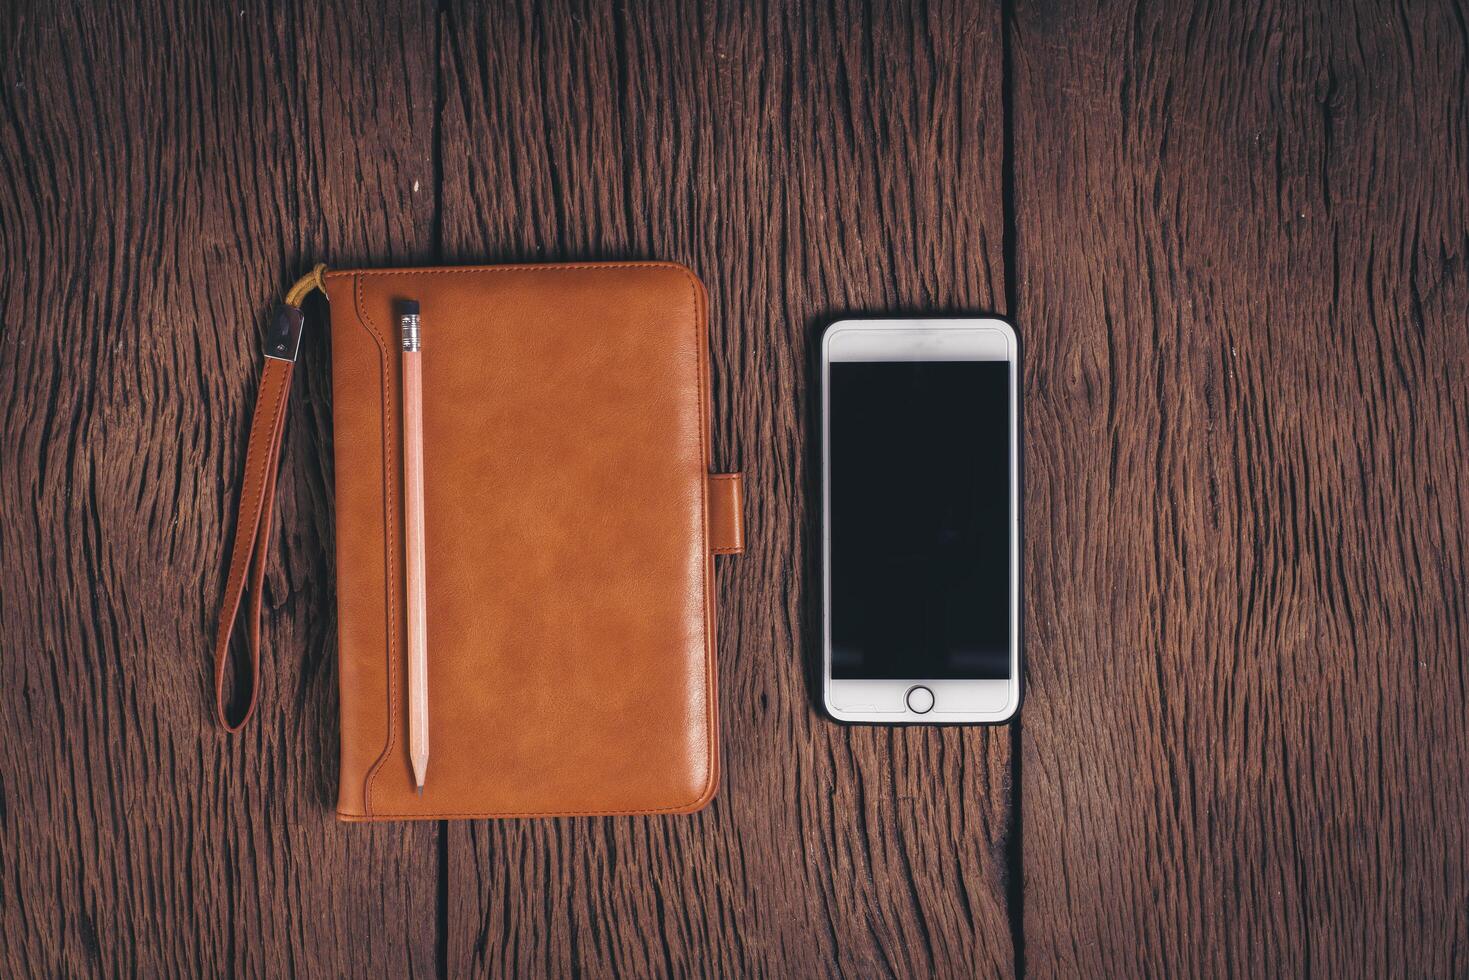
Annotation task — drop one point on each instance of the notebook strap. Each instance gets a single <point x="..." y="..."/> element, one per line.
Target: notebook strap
<point x="257" y="496"/>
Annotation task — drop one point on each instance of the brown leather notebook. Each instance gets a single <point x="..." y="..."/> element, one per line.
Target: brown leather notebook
<point x="571" y="521"/>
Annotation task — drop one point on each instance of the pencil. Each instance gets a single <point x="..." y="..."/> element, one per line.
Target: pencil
<point x="413" y="541"/>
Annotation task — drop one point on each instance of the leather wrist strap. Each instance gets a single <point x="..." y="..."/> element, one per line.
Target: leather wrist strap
<point x="257" y="497"/>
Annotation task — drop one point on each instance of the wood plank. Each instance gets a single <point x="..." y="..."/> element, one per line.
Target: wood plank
<point x="165" y="170"/>
<point x="807" y="162"/>
<point x="1241" y="237"/>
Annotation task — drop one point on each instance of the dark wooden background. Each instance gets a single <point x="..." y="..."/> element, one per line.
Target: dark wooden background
<point x="1234" y="239"/>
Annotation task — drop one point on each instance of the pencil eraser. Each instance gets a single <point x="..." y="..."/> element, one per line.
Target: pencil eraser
<point x="408" y="307"/>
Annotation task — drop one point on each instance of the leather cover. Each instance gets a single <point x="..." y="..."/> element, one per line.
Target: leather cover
<point x="571" y="523"/>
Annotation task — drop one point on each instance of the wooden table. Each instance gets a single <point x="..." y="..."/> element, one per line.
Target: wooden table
<point x="1234" y="239"/>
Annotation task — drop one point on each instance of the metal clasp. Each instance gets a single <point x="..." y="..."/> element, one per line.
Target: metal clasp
<point x="283" y="339"/>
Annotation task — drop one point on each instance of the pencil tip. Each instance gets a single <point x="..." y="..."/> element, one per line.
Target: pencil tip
<point x="420" y="789"/>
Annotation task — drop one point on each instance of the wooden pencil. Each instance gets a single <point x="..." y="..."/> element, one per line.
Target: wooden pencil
<point x="417" y="603"/>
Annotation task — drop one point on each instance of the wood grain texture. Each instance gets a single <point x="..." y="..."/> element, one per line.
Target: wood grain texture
<point x="1238" y="263"/>
<point x="1241" y="242"/>
<point x="165" y="170"/>
<point x="807" y="162"/>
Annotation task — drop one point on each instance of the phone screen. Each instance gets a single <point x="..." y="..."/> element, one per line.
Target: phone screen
<point x="920" y="520"/>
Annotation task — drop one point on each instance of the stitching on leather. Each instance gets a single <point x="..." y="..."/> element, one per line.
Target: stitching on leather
<point x="541" y="267"/>
<point x="235" y="580"/>
<point x="256" y="568"/>
<point x="257" y="476"/>
<point x="388" y="546"/>
<point x="512" y="814"/>
<point x="702" y="393"/>
<point x="711" y="706"/>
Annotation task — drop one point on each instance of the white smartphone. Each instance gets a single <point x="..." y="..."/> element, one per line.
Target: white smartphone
<point x="920" y="438"/>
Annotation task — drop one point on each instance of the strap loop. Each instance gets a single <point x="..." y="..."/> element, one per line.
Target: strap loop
<point x="304" y="286"/>
<point x="257" y="504"/>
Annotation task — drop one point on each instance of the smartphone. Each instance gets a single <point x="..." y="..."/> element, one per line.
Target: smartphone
<point x="920" y="438"/>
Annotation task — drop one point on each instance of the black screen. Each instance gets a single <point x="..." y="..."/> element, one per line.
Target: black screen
<point x="920" y="520"/>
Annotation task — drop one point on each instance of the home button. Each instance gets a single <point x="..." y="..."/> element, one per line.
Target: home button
<point x="920" y="700"/>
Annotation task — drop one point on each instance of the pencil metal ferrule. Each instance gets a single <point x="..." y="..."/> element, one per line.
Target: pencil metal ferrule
<point x="409" y="324"/>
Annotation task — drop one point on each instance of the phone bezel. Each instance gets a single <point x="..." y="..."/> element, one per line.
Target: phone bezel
<point x="958" y="339"/>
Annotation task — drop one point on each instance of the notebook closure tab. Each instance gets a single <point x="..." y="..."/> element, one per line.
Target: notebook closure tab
<point x="726" y="513"/>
